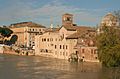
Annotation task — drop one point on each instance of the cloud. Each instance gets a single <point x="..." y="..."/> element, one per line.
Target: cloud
<point x="22" y="11"/>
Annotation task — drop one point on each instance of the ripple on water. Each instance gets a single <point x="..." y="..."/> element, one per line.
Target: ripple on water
<point x="25" y="67"/>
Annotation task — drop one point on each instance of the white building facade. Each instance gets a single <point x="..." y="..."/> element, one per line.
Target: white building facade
<point x="55" y="44"/>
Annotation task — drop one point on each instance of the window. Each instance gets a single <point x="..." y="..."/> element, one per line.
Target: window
<point x="95" y="51"/>
<point x="52" y="39"/>
<point x="60" y="46"/>
<point x="29" y="44"/>
<point x="83" y="51"/>
<point x="56" y="39"/>
<point x="39" y="29"/>
<point x="92" y="51"/>
<point x="68" y="19"/>
<point x="83" y="57"/>
<point x="44" y="39"/>
<point x="51" y="44"/>
<point x="48" y="39"/>
<point x="96" y="57"/>
<point x="33" y="29"/>
<point x="76" y="52"/>
<point x="66" y="46"/>
<point x="55" y="46"/>
<point x="63" y="47"/>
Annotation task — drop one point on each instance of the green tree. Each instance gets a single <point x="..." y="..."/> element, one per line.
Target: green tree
<point x="5" y="32"/>
<point x="117" y="14"/>
<point x="13" y="39"/>
<point x="108" y="44"/>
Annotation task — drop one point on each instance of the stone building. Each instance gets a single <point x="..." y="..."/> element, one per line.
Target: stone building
<point x="63" y="42"/>
<point x="26" y="32"/>
<point x="110" y="20"/>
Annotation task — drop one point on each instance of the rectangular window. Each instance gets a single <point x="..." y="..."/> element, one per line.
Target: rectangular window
<point x="83" y="50"/>
<point x="52" y="39"/>
<point x="60" y="46"/>
<point x="48" y="39"/>
<point x="76" y="52"/>
<point x="63" y="47"/>
<point x="42" y="39"/>
<point x="95" y="51"/>
<point x="92" y="51"/>
<point x="55" y="46"/>
<point x="29" y="44"/>
<point x="39" y="29"/>
<point x="56" y="39"/>
<point x="66" y="46"/>
<point x="51" y="44"/>
<point x="96" y="57"/>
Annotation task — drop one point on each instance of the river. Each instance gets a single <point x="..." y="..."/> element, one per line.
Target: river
<point x="36" y="67"/>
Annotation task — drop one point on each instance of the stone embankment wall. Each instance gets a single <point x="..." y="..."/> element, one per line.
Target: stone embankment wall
<point x="1" y="49"/>
<point x="15" y="51"/>
<point x="7" y="50"/>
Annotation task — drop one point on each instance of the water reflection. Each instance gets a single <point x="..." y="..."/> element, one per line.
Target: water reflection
<point x="25" y="67"/>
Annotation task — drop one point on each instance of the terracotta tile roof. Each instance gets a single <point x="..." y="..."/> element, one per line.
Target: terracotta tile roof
<point x="52" y="30"/>
<point x="74" y="36"/>
<point x="81" y="30"/>
<point x="70" y="28"/>
<point x="76" y="28"/>
<point x="28" y="24"/>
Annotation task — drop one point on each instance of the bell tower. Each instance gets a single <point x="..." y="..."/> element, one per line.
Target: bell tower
<point x="67" y="19"/>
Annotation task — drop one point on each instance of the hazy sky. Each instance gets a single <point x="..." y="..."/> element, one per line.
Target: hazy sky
<point x="86" y="12"/>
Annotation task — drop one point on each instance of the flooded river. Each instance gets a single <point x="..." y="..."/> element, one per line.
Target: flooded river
<point x="35" y="67"/>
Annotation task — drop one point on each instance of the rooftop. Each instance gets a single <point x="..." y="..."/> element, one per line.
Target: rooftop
<point x="81" y="30"/>
<point x="28" y="24"/>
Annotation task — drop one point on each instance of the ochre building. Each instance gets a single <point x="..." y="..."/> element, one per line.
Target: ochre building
<point x="26" y="32"/>
<point x="66" y="40"/>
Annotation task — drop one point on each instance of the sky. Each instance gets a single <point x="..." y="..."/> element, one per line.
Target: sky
<point x="45" y="12"/>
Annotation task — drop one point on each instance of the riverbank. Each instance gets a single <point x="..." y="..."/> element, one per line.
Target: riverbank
<point x="4" y="49"/>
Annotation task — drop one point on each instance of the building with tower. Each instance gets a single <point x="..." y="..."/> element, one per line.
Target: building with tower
<point x="66" y="40"/>
<point x="67" y="19"/>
